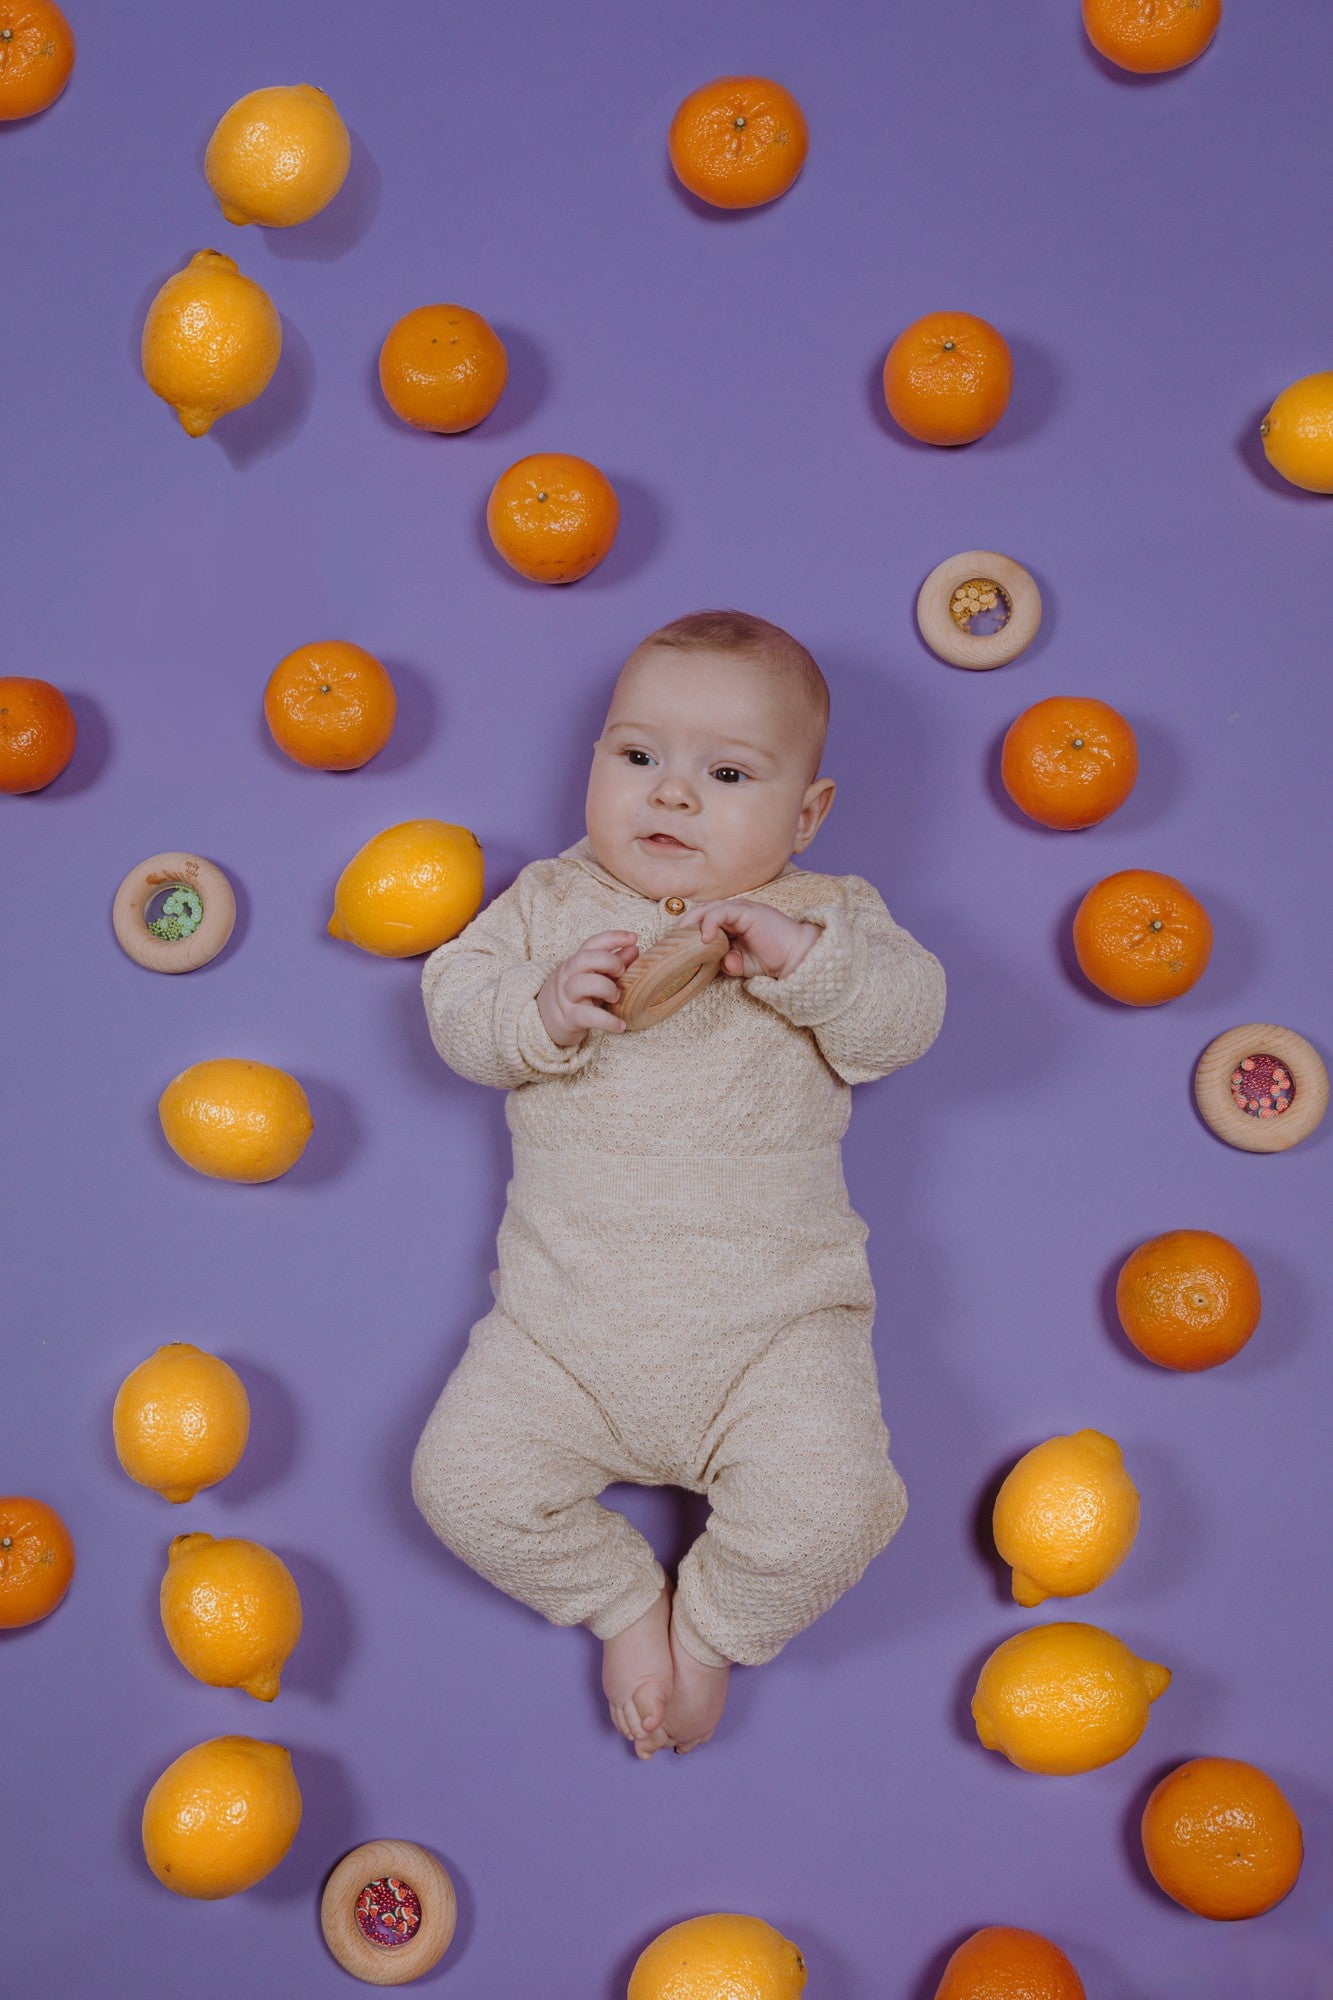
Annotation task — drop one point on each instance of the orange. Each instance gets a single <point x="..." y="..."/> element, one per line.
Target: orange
<point x="1220" y="1837"/>
<point x="552" y="517"/>
<point x="738" y="141"/>
<point x="1069" y="761"/>
<point x="37" y="733"/>
<point x="442" y="368"/>
<point x="1151" y="35"/>
<point x="1003" y="1963"/>
<point x="236" y="1120"/>
<point x="36" y="56"/>
<point x="719" y="1957"/>
<point x="221" y="1817"/>
<point x="36" y="1560"/>
<point x="947" y="378"/>
<point x="1188" y="1299"/>
<point x="1141" y="937"/>
<point x="1298" y="433"/>
<point x="330" y="706"/>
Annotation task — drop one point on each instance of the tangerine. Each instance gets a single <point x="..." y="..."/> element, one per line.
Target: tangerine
<point x="1069" y="761"/>
<point x="442" y="368"/>
<point x="1002" y="1962"/>
<point x="552" y="517"/>
<point x="36" y="1560"/>
<point x="1188" y="1299"/>
<point x="738" y="141"/>
<point x="330" y="706"/>
<point x="1298" y="433"/>
<point x="36" y="56"/>
<point x="1142" y="937"/>
<point x="37" y="733"/>
<point x="1149" y="36"/>
<point x="947" y="378"/>
<point x="1221" y="1838"/>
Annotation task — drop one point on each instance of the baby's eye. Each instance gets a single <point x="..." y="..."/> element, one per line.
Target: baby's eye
<point x="728" y="773"/>
<point x="632" y="755"/>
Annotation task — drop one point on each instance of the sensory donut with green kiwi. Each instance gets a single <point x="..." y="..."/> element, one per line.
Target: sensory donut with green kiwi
<point x="388" y="1912"/>
<point x="973" y="586"/>
<point x="1261" y="1087"/>
<point x="196" y="918"/>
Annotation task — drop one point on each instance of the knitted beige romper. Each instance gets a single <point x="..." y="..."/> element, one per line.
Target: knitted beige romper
<point x="682" y="1296"/>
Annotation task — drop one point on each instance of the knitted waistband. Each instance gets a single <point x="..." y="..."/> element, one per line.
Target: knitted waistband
<point x="689" y="1178"/>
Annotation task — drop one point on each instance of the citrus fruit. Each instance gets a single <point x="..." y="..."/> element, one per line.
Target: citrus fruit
<point x="442" y="368"/>
<point x="1151" y="35"/>
<point x="1188" y="1299"/>
<point x="180" y="1420"/>
<point x="738" y="141"/>
<point x="1066" y="1517"/>
<point x="278" y="155"/>
<point x="1069" y="761"/>
<point x="36" y="56"/>
<point x="552" y="517"/>
<point x="947" y="378"/>
<point x="330" y="706"/>
<point x="221" y="1817"/>
<point x="1220" y="1837"/>
<point x="37" y="733"/>
<point x="719" y="1957"/>
<point x="1062" y="1698"/>
<point x="409" y="888"/>
<point x="1141" y="937"/>
<point x="211" y="341"/>
<point x="231" y="1611"/>
<point x="1298" y="433"/>
<point x="236" y="1120"/>
<point x="36" y="1560"/>
<point x="1003" y="1963"/>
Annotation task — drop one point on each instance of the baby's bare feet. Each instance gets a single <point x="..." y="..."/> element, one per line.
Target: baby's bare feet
<point x="698" y="1697"/>
<point x="637" y="1677"/>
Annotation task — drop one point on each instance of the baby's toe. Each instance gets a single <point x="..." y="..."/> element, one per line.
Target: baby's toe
<point x="648" y="1745"/>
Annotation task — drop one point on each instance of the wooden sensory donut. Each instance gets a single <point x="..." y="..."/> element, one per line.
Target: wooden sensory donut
<point x="195" y="923"/>
<point x="960" y="589"/>
<point x="668" y="974"/>
<point x="1261" y="1087"/>
<point x="388" y="1912"/>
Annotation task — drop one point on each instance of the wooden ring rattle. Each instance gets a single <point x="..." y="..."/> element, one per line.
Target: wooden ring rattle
<point x="967" y="586"/>
<point x="388" y="1912"/>
<point x="1261" y="1087"/>
<point x="661" y="979"/>
<point x="196" y="919"/>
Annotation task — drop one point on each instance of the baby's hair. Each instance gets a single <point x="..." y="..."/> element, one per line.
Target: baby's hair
<point x="754" y="639"/>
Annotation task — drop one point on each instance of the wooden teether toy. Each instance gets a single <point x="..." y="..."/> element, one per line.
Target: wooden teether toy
<point x="388" y="1912"/>
<point x="668" y="974"/>
<point x="966" y="587"/>
<point x="1261" y="1087"/>
<point x="196" y="920"/>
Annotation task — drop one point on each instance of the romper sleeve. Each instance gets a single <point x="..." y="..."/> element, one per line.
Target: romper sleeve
<point x="480" y="992"/>
<point x="872" y="997"/>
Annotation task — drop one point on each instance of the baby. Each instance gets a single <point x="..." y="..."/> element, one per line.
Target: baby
<point x="683" y="1296"/>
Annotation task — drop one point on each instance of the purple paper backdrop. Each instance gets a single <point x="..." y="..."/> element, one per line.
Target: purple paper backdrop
<point x="1155" y="253"/>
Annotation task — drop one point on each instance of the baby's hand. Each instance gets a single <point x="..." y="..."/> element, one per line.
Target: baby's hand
<point x="764" y="940"/>
<point x="574" y="997"/>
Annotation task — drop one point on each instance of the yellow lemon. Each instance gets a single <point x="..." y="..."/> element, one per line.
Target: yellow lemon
<point x="278" y="155"/>
<point x="1066" y="1516"/>
<point x="231" y="1611"/>
<point x="1298" y="433"/>
<point x="1064" y="1698"/>
<point x="719" y="1957"/>
<point x="211" y="341"/>
<point x="408" y="889"/>
<point x="236" y="1120"/>
<point x="181" y="1420"/>
<point x="221" y="1817"/>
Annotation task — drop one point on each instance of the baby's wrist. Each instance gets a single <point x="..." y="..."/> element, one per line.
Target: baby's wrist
<point x="800" y="949"/>
<point x="550" y="1019"/>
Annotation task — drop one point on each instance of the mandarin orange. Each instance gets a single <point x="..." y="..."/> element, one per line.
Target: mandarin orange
<point x="330" y="706"/>
<point x="1002" y="1962"/>
<point x="1221" y="1838"/>
<point x="36" y="1560"/>
<point x="442" y="368"/>
<point x="553" y="517"/>
<point x="947" y="378"/>
<point x="738" y="141"/>
<point x="36" y="56"/>
<point x="1069" y="761"/>
<point x="1141" y="937"/>
<point x="1149" y="36"/>
<point x="1188" y="1299"/>
<point x="37" y="733"/>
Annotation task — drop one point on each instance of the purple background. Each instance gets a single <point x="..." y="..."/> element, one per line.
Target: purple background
<point x="1155" y="253"/>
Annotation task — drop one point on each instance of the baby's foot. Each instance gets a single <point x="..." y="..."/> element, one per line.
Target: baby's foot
<point x="637" y="1677"/>
<point x="698" y="1697"/>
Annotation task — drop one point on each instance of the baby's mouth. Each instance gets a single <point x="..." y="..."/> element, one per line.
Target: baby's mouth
<point x="666" y="843"/>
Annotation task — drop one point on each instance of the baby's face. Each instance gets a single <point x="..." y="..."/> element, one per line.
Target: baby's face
<point x="700" y="783"/>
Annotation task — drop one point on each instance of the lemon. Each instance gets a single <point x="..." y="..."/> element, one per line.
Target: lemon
<point x="1064" y="1697"/>
<point x="719" y="1957"/>
<point x="278" y="155"/>
<point x="231" y="1611"/>
<point x="236" y="1120"/>
<point x="180" y="1420"/>
<point x="211" y="341"/>
<point x="408" y="889"/>
<point x="1066" y="1516"/>
<point x="221" y="1817"/>
<point x="1298" y="433"/>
